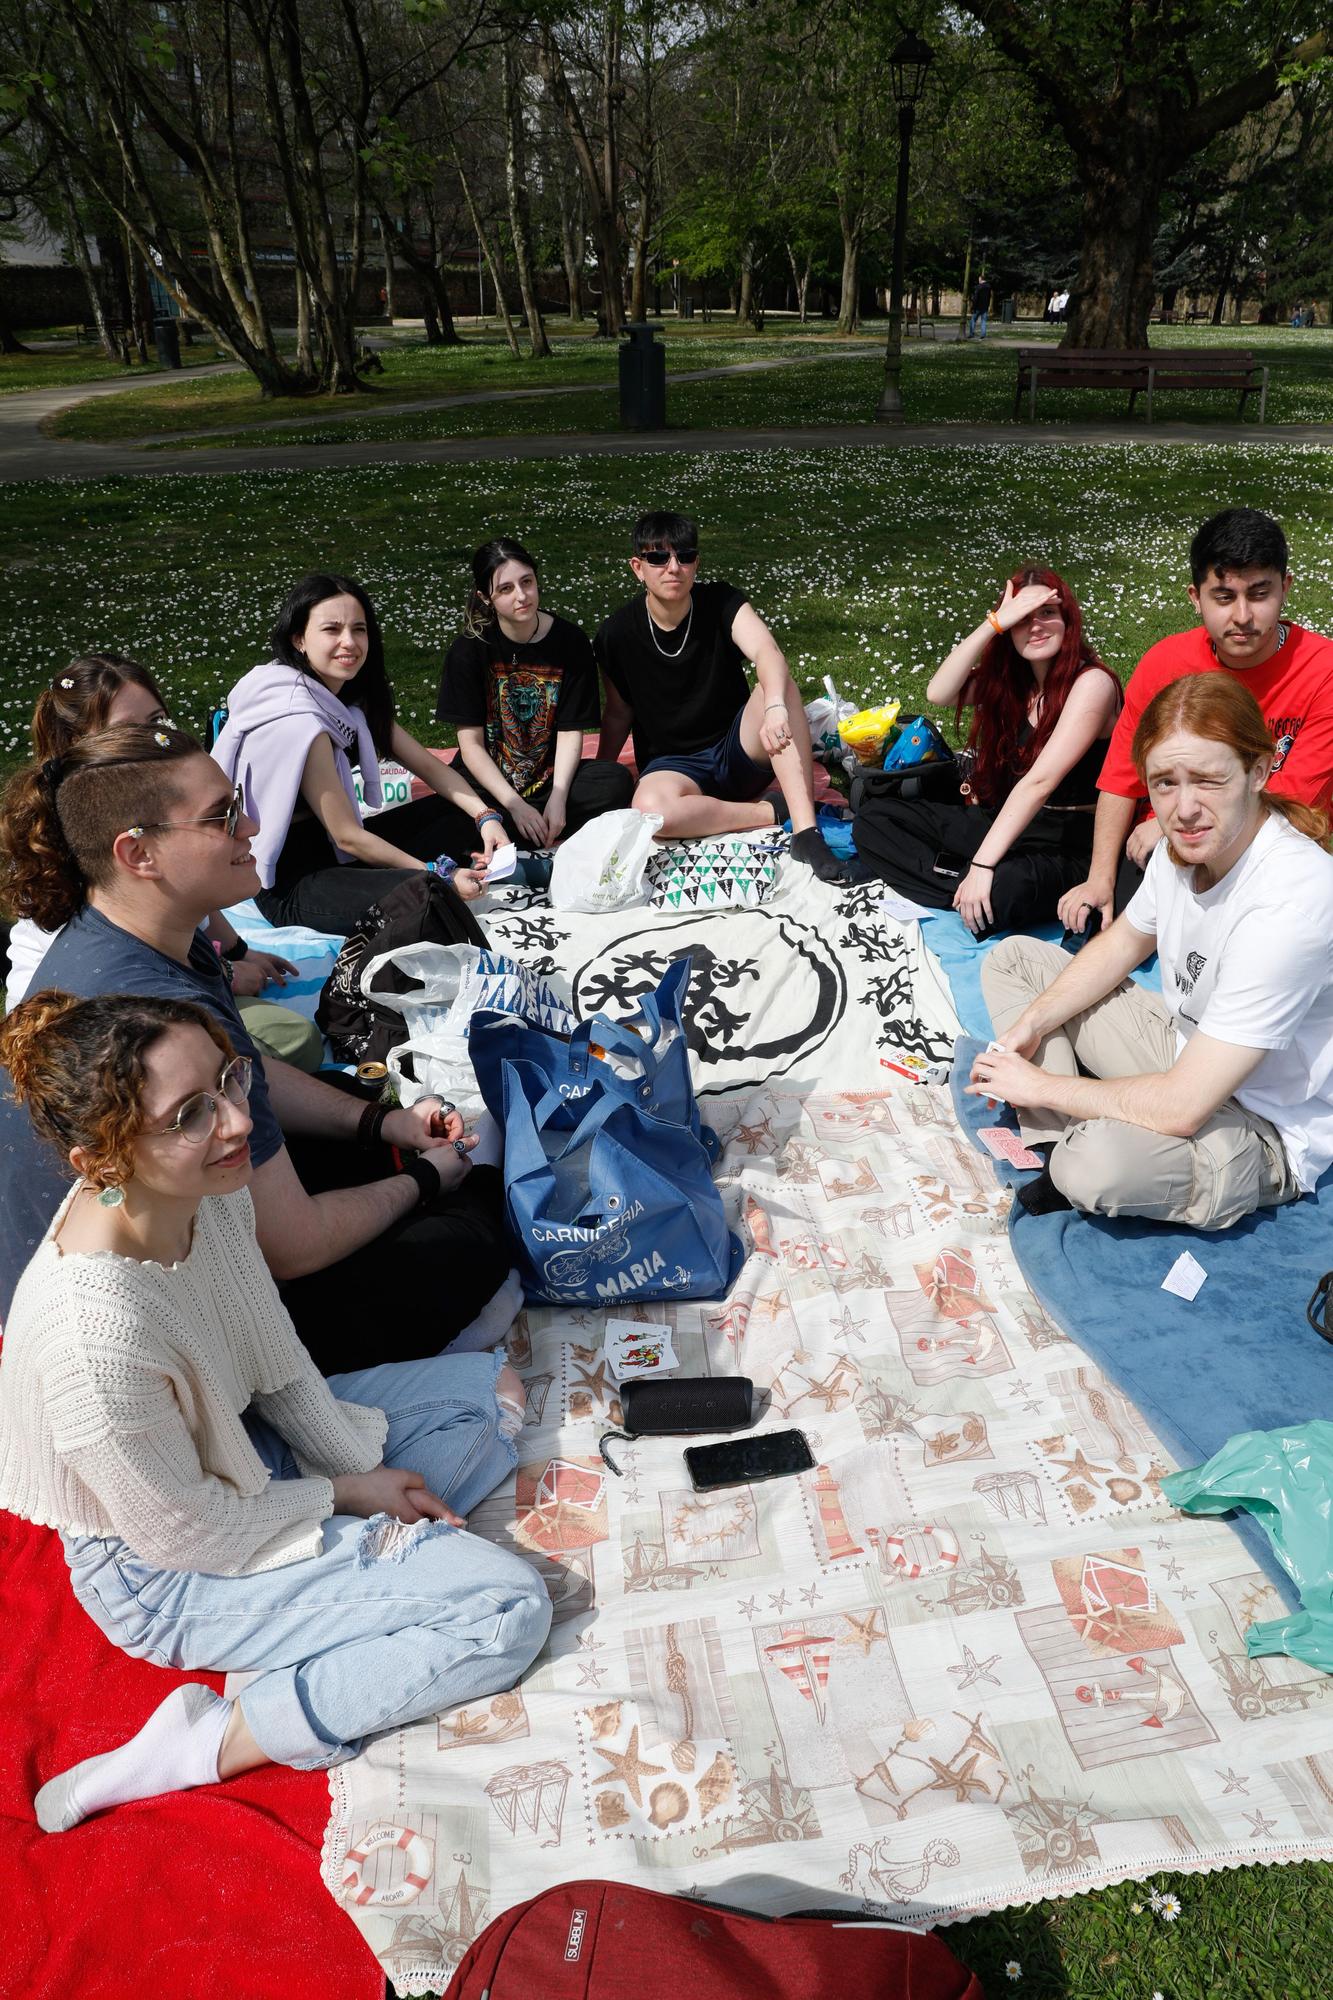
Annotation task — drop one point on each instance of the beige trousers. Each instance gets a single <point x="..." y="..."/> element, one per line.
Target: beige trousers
<point x="1234" y="1163"/>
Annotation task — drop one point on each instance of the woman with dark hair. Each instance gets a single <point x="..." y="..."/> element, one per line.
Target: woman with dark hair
<point x="520" y="687"/>
<point x="222" y="1506"/>
<point x="1018" y="832"/>
<point x="100" y="691"/>
<point x="294" y="729"/>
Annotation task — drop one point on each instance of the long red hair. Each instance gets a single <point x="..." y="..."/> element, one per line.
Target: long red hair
<point x="1001" y="690"/>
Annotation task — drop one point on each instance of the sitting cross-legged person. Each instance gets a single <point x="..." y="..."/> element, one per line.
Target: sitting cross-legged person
<point x="296" y="726"/>
<point x="1216" y="1099"/>
<point x="223" y="1507"/>
<point x="520" y="686"/>
<point x="707" y="746"/>
<point x="384" y="1235"/>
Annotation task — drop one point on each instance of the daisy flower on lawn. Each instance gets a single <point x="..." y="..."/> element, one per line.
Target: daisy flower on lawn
<point x="1169" y="1909"/>
<point x="1136" y="1909"/>
<point x="1156" y="1899"/>
<point x="1012" y="1969"/>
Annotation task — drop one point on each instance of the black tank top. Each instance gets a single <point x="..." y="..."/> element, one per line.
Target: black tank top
<point x="1078" y="787"/>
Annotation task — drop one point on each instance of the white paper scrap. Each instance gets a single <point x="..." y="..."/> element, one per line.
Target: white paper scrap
<point x="904" y="910"/>
<point x="1185" y="1277"/>
<point x="503" y="863"/>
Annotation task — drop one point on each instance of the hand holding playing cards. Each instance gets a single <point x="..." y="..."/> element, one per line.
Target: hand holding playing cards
<point x="1002" y="1075"/>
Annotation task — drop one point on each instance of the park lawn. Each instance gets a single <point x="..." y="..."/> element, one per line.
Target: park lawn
<point x="412" y="371"/>
<point x="945" y="382"/>
<point x="70" y="366"/>
<point x="869" y="564"/>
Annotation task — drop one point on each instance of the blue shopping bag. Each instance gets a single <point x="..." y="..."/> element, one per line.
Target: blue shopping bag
<point x="606" y="1202"/>
<point x="651" y="1046"/>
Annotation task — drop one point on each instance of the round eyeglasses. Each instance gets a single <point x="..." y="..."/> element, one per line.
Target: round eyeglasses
<point x="197" y="1119"/>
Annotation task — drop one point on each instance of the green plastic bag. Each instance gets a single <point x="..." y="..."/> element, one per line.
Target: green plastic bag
<point x="1285" y="1479"/>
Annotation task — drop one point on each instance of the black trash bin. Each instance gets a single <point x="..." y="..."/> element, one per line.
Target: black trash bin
<point x="642" y="378"/>
<point x="167" y="341"/>
<point x="1007" y="312"/>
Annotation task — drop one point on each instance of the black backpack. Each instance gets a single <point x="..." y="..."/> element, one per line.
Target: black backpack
<point x="421" y="910"/>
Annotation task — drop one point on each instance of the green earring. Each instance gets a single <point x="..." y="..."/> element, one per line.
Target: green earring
<point x="111" y="1197"/>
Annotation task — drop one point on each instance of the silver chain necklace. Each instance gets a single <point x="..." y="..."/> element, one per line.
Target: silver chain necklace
<point x="652" y="632"/>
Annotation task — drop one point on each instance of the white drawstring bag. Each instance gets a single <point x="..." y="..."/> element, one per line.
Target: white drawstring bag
<point x="601" y="867"/>
<point x="454" y="982"/>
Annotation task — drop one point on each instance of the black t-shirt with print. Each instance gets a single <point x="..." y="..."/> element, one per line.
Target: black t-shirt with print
<point x="685" y="691"/>
<point x="521" y="694"/>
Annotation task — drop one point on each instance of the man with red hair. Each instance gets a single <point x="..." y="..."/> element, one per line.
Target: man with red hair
<point x="1216" y="1099"/>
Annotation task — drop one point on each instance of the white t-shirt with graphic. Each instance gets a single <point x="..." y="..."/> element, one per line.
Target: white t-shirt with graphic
<point x="1250" y="961"/>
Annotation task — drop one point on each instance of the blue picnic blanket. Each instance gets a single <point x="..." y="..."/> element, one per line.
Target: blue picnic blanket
<point x="1241" y="1356"/>
<point x="961" y="958"/>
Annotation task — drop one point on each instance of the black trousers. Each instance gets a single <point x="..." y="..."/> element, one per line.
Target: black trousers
<point x="406" y="1294"/>
<point x="899" y="840"/>
<point x="599" y="786"/>
<point x="312" y="887"/>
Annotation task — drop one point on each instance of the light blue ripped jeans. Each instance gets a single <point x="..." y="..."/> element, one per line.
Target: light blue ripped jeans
<point x="352" y="1641"/>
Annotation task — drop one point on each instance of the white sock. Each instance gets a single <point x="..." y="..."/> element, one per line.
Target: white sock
<point x="176" y="1748"/>
<point x="494" y="1320"/>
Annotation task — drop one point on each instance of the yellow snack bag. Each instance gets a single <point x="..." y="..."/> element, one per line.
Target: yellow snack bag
<point x="866" y="732"/>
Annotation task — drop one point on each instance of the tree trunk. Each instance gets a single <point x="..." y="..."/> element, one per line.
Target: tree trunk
<point x="78" y="244"/>
<point x="389" y="305"/>
<point x="1224" y="286"/>
<point x="849" y="303"/>
<point x="516" y="189"/>
<point x="1110" y="304"/>
<point x="571" y="244"/>
<point x="305" y="352"/>
<point x="487" y="251"/>
<point x="638" y="304"/>
<point x="745" y="295"/>
<point x="599" y="180"/>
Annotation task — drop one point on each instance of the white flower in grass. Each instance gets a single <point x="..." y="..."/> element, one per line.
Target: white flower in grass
<point x="1156" y="1899"/>
<point x="1136" y="1909"/>
<point x="1012" y="1969"/>
<point x="1169" y="1909"/>
<point x="1157" y="1994"/>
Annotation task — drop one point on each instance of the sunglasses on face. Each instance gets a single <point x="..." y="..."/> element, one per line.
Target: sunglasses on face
<point x="197" y="1119"/>
<point x="659" y="558"/>
<point x="228" y="821"/>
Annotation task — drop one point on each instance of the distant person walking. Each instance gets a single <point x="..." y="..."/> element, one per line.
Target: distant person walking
<point x="981" y="297"/>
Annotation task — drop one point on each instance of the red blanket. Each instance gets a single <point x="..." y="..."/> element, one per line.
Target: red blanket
<point x="210" y="1891"/>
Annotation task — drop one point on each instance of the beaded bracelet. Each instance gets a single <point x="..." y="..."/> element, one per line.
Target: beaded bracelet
<point x="482" y="818"/>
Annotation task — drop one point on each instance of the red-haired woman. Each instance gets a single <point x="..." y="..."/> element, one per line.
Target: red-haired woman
<point x="1004" y="850"/>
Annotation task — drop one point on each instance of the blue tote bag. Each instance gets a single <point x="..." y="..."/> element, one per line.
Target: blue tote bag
<point x="660" y="1083"/>
<point x="607" y="1202"/>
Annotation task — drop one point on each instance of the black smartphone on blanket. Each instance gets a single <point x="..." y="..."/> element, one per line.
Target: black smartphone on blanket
<point x="773" y="1455"/>
<point x="946" y="862"/>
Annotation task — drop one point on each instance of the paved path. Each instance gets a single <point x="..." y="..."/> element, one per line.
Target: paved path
<point x="26" y="454"/>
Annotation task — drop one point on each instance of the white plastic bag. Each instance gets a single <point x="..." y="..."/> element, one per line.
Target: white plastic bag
<point x="823" y="716"/>
<point x="601" y="867"/>
<point x="455" y="981"/>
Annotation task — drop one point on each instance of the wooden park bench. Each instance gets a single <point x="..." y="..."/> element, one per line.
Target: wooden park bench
<point x="1141" y="370"/>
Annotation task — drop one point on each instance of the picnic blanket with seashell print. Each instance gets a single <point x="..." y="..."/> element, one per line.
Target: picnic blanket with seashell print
<point x="973" y="1659"/>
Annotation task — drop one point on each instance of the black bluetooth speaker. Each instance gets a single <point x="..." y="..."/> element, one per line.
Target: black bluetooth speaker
<point x="690" y="1403"/>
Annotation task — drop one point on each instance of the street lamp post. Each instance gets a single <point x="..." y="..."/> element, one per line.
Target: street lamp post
<point x="907" y="69"/>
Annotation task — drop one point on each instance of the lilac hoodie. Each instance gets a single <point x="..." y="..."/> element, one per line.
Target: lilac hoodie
<point x="274" y="714"/>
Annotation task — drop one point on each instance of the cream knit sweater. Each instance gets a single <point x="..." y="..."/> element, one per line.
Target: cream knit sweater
<point x="122" y="1386"/>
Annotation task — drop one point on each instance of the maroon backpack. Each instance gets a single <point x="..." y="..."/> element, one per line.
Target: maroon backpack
<point x="603" y="1941"/>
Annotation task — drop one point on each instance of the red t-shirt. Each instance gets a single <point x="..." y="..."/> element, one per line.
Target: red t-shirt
<point x="1294" y="689"/>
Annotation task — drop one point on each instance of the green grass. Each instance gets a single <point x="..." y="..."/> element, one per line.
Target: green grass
<point x="868" y="564"/>
<point x="946" y="383"/>
<point x="70" y="366"/>
<point x="412" y="371"/>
